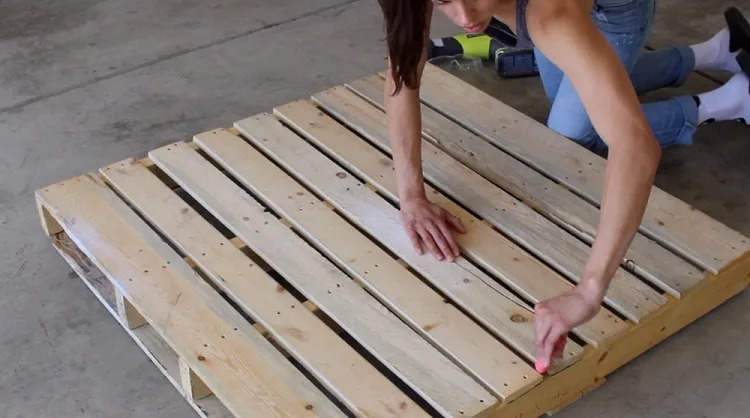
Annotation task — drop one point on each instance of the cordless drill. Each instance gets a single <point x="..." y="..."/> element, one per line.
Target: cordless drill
<point x="497" y="43"/>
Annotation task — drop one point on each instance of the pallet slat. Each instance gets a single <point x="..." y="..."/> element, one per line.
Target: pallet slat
<point x="660" y="266"/>
<point x="427" y="371"/>
<point x="671" y="221"/>
<point x="241" y="367"/>
<point x="499" y="368"/>
<point x="309" y="340"/>
<point x="516" y="268"/>
<point x="627" y="294"/>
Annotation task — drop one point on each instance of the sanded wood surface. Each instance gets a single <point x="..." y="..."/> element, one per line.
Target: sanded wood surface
<point x="306" y="337"/>
<point x="241" y="367"/>
<point x="410" y="357"/>
<point x="497" y="366"/>
<point x="669" y="220"/>
<point x="515" y="267"/>
<point x="380" y="219"/>
<point x="647" y="258"/>
<point x="627" y="294"/>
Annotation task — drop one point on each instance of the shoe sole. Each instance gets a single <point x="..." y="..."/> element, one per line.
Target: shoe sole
<point x="739" y="30"/>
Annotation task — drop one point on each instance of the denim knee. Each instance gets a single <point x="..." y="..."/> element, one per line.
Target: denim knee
<point x="574" y="126"/>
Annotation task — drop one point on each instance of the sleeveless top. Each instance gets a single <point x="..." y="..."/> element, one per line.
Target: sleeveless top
<point x="522" y="32"/>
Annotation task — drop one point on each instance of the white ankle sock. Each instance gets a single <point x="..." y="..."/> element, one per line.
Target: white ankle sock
<point x="728" y="102"/>
<point x="714" y="54"/>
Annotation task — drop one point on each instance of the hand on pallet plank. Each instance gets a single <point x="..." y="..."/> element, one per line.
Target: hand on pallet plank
<point x="517" y="268"/>
<point x="626" y="293"/>
<point x="647" y="258"/>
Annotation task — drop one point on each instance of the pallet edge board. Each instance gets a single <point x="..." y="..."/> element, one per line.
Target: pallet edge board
<point x="441" y="323"/>
<point x="515" y="267"/>
<point x="331" y="360"/>
<point x="627" y="294"/>
<point x="669" y="220"/>
<point x="145" y="337"/>
<point x="445" y="386"/>
<point x="124" y="247"/>
<point x="646" y="257"/>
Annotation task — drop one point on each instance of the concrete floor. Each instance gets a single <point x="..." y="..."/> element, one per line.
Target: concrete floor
<point x="85" y="83"/>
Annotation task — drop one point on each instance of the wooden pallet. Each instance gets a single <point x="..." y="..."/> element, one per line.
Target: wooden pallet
<point x="264" y="270"/>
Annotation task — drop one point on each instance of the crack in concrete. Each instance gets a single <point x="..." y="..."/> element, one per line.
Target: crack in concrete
<point x="20" y="105"/>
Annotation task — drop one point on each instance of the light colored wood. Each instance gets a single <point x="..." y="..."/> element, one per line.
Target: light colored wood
<point x="198" y="325"/>
<point x="501" y="370"/>
<point x="332" y="361"/>
<point x="193" y="386"/>
<point x="380" y="220"/>
<point x="645" y="257"/>
<point x="421" y="366"/>
<point x="145" y="337"/>
<point x="575" y="398"/>
<point x="515" y="267"/>
<point x="555" y="391"/>
<point x="129" y="315"/>
<point x="671" y="221"/>
<point x="627" y="294"/>
<point x="49" y="224"/>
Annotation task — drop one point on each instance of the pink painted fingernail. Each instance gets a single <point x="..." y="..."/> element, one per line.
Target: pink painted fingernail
<point x="540" y="365"/>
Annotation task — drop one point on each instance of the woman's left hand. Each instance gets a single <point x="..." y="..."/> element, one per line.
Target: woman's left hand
<point x="557" y="316"/>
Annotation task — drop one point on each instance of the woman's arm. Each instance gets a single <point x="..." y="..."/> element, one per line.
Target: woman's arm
<point x="424" y="222"/>
<point x="564" y="32"/>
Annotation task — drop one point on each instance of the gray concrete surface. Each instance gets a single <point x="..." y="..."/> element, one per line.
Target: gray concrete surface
<point x="85" y="83"/>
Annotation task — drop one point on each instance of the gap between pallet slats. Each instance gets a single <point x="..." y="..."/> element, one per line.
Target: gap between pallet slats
<point x="426" y="370"/>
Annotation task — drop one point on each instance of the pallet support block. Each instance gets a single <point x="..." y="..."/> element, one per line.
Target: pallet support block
<point x="263" y="270"/>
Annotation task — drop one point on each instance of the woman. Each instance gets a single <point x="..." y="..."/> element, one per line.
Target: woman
<point x="593" y="67"/>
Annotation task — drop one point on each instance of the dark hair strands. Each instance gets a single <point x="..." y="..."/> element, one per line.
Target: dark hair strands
<point x="405" y="23"/>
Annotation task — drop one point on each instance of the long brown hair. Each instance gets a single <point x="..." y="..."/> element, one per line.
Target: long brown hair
<point x="405" y="25"/>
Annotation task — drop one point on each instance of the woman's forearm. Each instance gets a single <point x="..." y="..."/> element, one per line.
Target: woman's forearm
<point x="405" y="136"/>
<point x="630" y="172"/>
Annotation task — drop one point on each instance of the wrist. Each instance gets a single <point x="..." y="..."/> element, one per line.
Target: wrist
<point x="593" y="287"/>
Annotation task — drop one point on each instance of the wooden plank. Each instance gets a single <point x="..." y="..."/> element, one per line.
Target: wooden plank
<point x="501" y="370"/>
<point x="243" y="369"/>
<point x="508" y="319"/>
<point x="515" y="267"/>
<point x="672" y="222"/>
<point x="645" y="257"/>
<point x="332" y="361"/>
<point x="411" y="358"/>
<point x="145" y="337"/>
<point x="627" y="294"/>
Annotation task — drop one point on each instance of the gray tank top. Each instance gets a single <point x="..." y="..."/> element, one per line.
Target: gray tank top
<point x="522" y="32"/>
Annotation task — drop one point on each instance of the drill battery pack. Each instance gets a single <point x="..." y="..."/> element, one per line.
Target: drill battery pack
<point x="497" y="43"/>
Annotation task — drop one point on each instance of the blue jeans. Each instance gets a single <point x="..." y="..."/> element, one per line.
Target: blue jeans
<point x="626" y="24"/>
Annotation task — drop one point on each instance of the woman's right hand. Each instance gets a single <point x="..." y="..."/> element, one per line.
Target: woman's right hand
<point x="429" y="224"/>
